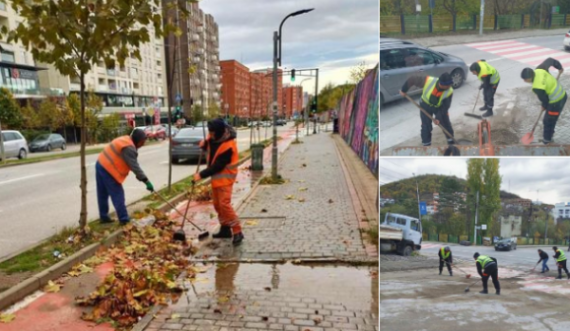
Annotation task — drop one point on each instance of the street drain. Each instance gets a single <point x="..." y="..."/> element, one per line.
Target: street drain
<point x="263" y="223"/>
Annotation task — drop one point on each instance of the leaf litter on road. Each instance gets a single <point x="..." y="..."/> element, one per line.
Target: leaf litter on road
<point x="290" y="197"/>
<point x="7" y="318"/>
<point x="52" y="287"/>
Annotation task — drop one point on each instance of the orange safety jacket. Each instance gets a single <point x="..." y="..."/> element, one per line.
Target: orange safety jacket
<point x="229" y="174"/>
<point x="110" y="158"/>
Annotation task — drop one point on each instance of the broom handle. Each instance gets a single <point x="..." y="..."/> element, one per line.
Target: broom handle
<point x="428" y="115"/>
<point x="193" y="183"/>
<point x="475" y="105"/>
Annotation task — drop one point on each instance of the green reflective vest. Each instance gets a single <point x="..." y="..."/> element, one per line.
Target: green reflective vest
<point x="561" y="257"/>
<point x="429" y="86"/>
<point x="543" y="80"/>
<point x="443" y="254"/>
<point x="487" y="70"/>
<point x="483" y="260"/>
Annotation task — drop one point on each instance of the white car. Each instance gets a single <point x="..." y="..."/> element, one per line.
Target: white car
<point x="567" y="41"/>
<point x="15" y="145"/>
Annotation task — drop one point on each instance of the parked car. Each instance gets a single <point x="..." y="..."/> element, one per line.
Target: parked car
<point x="155" y="132"/>
<point x="566" y="41"/>
<point x="506" y="244"/>
<point x="47" y="142"/>
<point x="15" y="145"/>
<point x="173" y="130"/>
<point x="281" y="122"/>
<point x="186" y="144"/>
<point x="399" y="60"/>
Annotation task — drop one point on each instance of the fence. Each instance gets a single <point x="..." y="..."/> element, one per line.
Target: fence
<point x="358" y="120"/>
<point x="442" y="237"/>
<point x="418" y="24"/>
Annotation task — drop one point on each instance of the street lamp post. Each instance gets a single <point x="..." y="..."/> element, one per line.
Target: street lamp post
<point x="316" y="99"/>
<point x="277" y="59"/>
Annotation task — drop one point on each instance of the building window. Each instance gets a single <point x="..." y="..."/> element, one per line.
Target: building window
<point x="8" y="56"/>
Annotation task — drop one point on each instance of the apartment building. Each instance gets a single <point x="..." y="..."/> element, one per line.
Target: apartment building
<point x="195" y="61"/>
<point x="18" y="70"/>
<point x="258" y="92"/>
<point x="236" y="88"/>
<point x="292" y="101"/>
<point x="267" y="84"/>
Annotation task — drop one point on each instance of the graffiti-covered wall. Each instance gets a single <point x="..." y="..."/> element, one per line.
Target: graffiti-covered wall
<point x="358" y="120"/>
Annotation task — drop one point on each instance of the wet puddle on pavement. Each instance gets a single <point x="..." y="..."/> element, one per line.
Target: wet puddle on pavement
<point x="325" y="283"/>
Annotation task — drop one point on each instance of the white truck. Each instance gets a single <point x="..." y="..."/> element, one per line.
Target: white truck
<point x="400" y="233"/>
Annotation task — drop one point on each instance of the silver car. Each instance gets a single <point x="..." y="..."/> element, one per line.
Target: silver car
<point x="400" y="60"/>
<point x="186" y="144"/>
<point x="15" y="145"/>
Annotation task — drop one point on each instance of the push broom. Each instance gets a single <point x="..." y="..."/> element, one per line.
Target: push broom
<point x="471" y="114"/>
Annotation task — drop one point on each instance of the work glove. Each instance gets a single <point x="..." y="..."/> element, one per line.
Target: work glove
<point x="481" y="87"/>
<point x="149" y="186"/>
<point x="202" y="143"/>
<point x="196" y="177"/>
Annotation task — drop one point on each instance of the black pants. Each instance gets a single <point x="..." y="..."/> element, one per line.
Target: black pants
<point x="447" y="262"/>
<point x="562" y="265"/>
<point x="550" y="117"/>
<point x="427" y="126"/>
<point x="492" y="271"/>
<point x="489" y="95"/>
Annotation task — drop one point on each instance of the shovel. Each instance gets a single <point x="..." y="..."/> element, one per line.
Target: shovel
<point x="529" y="137"/>
<point x="428" y="115"/>
<point x="472" y="111"/>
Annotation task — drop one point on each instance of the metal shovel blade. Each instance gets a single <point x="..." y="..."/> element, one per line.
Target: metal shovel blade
<point x="528" y="138"/>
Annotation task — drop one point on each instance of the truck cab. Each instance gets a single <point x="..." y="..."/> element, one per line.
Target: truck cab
<point x="401" y="233"/>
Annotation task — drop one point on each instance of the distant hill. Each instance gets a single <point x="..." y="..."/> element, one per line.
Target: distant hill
<point x="428" y="184"/>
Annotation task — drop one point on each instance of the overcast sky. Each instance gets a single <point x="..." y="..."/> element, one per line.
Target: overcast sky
<point x="334" y="37"/>
<point x="526" y="175"/>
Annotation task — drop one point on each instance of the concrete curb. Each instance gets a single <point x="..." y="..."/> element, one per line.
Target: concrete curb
<point x="297" y="261"/>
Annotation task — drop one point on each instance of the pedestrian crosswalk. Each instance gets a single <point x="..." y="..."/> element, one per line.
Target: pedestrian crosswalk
<point x="526" y="53"/>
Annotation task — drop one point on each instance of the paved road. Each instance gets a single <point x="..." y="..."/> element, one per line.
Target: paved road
<point x="521" y="257"/>
<point x="516" y="107"/>
<point x="37" y="200"/>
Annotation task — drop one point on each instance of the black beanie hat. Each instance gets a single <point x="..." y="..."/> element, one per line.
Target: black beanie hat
<point x="445" y="79"/>
<point x="138" y="136"/>
<point x="527" y="73"/>
<point x="217" y="127"/>
<point x="476" y="255"/>
<point x="475" y="67"/>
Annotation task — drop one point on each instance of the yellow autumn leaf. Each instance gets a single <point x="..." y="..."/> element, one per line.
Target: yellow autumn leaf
<point x="175" y="316"/>
<point x="7" y="318"/>
<point x="289" y="197"/>
<point x="301" y="199"/>
<point x="52" y="287"/>
<point x="251" y="222"/>
<point x="303" y="189"/>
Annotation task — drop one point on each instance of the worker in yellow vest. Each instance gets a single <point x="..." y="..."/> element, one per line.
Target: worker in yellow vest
<point x="436" y="100"/>
<point x="112" y="168"/>
<point x="445" y="257"/>
<point x="560" y="262"/>
<point x="550" y="93"/>
<point x="490" y="78"/>
<point x="487" y="267"/>
<point x="222" y="157"/>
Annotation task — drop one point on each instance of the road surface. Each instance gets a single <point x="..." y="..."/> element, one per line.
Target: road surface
<point x="37" y="200"/>
<point x="516" y="107"/>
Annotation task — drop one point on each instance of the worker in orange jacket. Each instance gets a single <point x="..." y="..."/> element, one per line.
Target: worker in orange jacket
<point x="112" y="168"/>
<point x="222" y="157"/>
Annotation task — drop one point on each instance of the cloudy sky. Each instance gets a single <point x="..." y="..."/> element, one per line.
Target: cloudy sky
<point x="334" y="37"/>
<point x="526" y="175"/>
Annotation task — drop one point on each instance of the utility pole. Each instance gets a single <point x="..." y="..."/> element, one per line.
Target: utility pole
<point x="2" y="145"/>
<point x="476" y="216"/>
<point x="418" y="194"/>
<point x="274" y="147"/>
<point x="482" y="14"/>
<point x="316" y="100"/>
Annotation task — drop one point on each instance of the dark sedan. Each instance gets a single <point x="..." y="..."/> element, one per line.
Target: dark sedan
<point x="186" y="144"/>
<point x="47" y="142"/>
<point x="505" y="245"/>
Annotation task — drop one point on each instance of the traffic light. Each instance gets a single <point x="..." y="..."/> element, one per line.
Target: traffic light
<point x="292" y="75"/>
<point x="177" y="113"/>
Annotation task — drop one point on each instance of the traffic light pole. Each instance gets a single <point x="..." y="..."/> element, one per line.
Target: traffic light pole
<point x="316" y="100"/>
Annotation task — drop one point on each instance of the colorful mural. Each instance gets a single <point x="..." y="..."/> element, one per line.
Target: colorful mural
<point x="358" y="120"/>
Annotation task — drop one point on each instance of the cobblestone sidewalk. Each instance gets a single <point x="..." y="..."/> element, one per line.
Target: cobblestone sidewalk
<point x="310" y="216"/>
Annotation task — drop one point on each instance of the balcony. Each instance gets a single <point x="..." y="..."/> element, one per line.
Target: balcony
<point x="200" y="29"/>
<point x="195" y="37"/>
<point x="111" y="72"/>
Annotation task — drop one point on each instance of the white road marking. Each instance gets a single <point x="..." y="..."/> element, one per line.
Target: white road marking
<point x="21" y="178"/>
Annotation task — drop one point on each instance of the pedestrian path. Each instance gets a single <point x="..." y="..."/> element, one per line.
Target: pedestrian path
<point x="526" y="53"/>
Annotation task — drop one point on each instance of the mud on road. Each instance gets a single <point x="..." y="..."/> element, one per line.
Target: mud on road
<point x="421" y="300"/>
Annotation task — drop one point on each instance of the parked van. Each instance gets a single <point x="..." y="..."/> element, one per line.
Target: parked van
<point x="15" y="145"/>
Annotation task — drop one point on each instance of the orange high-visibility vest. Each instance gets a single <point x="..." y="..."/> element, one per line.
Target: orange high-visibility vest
<point x="111" y="160"/>
<point x="229" y="174"/>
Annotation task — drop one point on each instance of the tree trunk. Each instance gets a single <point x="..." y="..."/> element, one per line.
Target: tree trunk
<point x="83" y="185"/>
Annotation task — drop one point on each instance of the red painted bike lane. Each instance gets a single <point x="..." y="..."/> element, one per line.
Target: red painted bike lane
<point x="58" y="312"/>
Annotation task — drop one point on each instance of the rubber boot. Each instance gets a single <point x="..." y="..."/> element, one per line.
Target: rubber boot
<point x="238" y="238"/>
<point x="489" y="113"/>
<point x="225" y="233"/>
<point x="440" y="273"/>
<point x="450" y="273"/>
<point x="484" y="292"/>
<point x="483" y="108"/>
<point x="498" y="292"/>
<point x="567" y="276"/>
<point x="559" y="277"/>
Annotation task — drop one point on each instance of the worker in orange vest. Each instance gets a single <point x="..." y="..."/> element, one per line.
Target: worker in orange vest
<point x="222" y="156"/>
<point x="111" y="170"/>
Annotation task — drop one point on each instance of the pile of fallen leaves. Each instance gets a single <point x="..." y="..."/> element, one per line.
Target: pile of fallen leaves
<point x="200" y="193"/>
<point x="146" y="266"/>
<point x="268" y="180"/>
